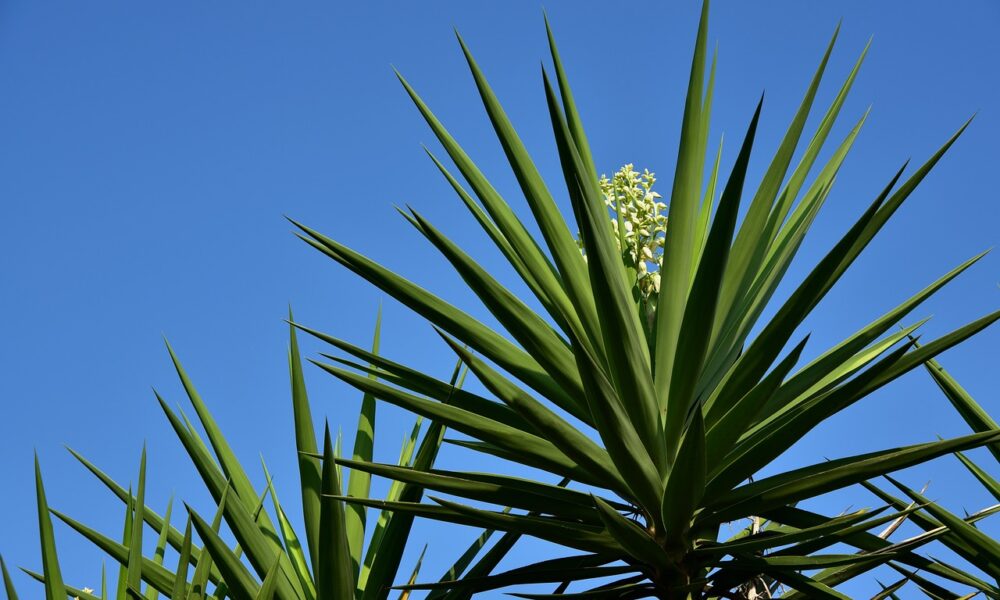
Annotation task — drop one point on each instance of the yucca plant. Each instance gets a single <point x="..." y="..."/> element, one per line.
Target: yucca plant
<point x="660" y="407"/>
<point x="333" y="559"/>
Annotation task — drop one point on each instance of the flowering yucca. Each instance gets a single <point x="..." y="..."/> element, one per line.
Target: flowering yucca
<point x="654" y="418"/>
<point x="639" y="223"/>
<point x="660" y="415"/>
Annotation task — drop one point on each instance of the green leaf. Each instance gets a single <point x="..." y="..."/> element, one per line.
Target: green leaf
<point x="154" y="574"/>
<point x="748" y="243"/>
<point x="556" y="570"/>
<point x="359" y="482"/>
<point x="395" y="490"/>
<point x="121" y="589"/>
<point x="199" y="583"/>
<point x="798" y="177"/>
<point x="861" y="520"/>
<point x="890" y="591"/>
<point x="8" y="584"/>
<point x="767" y="563"/>
<point x="73" y="592"/>
<point x="991" y="484"/>
<point x="501" y="242"/>
<point x="868" y="542"/>
<point x="811" y="481"/>
<point x="239" y="581"/>
<point x="811" y="587"/>
<point x="405" y="594"/>
<point x="335" y="578"/>
<point x="634" y="539"/>
<point x="500" y="490"/>
<point x="527" y="327"/>
<point x="459" y="566"/>
<point x="569" y="106"/>
<point x="483" y="567"/>
<point x="247" y="524"/>
<point x="533" y="449"/>
<point x="392" y="544"/>
<point x="699" y="313"/>
<point x="617" y="419"/>
<point x="161" y="545"/>
<point x="727" y="429"/>
<point x="179" y="589"/>
<point x="970" y="410"/>
<point x="581" y="315"/>
<point x="629" y="368"/>
<point x="154" y="520"/>
<point x="54" y="587"/>
<point x="293" y="547"/>
<point x="756" y="360"/>
<point x="774" y="438"/>
<point x="245" y="491"/>
<point x="444" y="315"/>
<point x="626" y="588"/>
<point x="574" y="535"/>
<point x="269" y="586"/>
<point x="741" y="319"/>
<point x="305" y="442"/>
<point x="548" y="424"/>
<point x="134" y="569"/>
<point x="679" y="255"/>
<point x="415" y="381"/>
<point x="685" y="485"/>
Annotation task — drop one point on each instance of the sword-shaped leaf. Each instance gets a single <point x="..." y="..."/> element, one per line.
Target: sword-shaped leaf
<point x="970" y="410"/>
<point x="633" y="538"/>
<point x="54" y="587"/>
<point x="293" y="547"/>
<point x="991" y="484"/>
<point x="269" y="586"/>
<point x="527" y="327"/>
<point x="133" y="577"/>
<point x="580" y="314"/>
<point x="305" y="442"/>
<point x="161" y="546"/>
<point x="239" y="582"/>
<point x="447" y="317"/>
<point x="335" y="580"/>
<point x="532" y="448"/>
<point x="154" y="574"/>
<point x="359" y="482"/>
<point x="679" y="256"/>
<point x="75" y="593"/>
<point x="8" y="584"/>
<point x="630" y="434"/>
<point x="810" y="481"/>
<point x="699" y="311"/>
<point x="180" y="587"/>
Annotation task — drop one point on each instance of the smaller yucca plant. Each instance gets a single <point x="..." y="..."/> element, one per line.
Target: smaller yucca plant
<point x="324" y="560"/>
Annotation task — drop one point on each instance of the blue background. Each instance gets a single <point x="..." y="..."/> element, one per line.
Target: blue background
<point x="149" y="151"/>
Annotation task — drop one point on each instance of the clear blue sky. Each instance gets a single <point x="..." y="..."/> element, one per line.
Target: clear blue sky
<point x="149" y="151"/>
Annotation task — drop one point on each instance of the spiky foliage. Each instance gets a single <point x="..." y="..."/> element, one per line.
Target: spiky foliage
<point x="271" y="560"/>
<point x="958" y="534"/>
<point x="660" y="422"/>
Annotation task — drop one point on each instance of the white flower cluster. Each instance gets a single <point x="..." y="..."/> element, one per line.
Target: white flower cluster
<point x="638" y="219"/>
